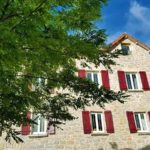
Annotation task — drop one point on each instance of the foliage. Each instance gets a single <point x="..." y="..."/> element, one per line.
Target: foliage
<point x="42" y="39"/>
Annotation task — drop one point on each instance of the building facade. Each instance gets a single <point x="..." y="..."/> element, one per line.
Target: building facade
<point x="117" y="126"/>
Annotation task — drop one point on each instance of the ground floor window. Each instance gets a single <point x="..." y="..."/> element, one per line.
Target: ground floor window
<point x="141" y="121"/>
<point x="41" y="124"/>
<point x="97" y="122"/>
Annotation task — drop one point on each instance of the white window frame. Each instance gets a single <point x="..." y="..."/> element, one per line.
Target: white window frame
<point x="145" y="119"/>
<point x="92" y="76"/>
<point x="38" y="126"/>
<point x="132" y="85"/>
<point x="96" y="119"/>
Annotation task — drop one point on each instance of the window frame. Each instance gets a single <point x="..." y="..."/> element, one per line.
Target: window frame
<point x="124" y="50"/>
<point x="92" y="77"/>
<point x="139" y="118"/>
<point x="130" y="73"/>
<point x="38" y="126"/>
<point x="102" y="121"/>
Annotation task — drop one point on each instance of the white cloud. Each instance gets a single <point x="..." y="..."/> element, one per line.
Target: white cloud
<point x="138" y="22"/>
<point x="139" y="18"/>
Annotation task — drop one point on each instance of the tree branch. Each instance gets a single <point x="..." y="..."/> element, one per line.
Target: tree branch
<point x="33" y="11"/>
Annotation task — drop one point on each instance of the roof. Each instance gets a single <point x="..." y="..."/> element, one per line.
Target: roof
<point x="127" y="36"/>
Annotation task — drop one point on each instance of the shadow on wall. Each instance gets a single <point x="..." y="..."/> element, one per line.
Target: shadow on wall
<point x="145" y="148"/>
<point x="114" y="146"/>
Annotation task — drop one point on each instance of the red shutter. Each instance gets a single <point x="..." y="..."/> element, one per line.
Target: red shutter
<point x="149" y="115"/>
<point x="50" y="127"/>
<point x="144" y="81"/>
<point x="131" y="122"/>
<point x="105" y="79"/>
<point x="25" y="129"/>
<point x="82" y="73"/>
<point x="86" y="122"/>
<point x="109" y="122"/>
<point x="122" y="80"/>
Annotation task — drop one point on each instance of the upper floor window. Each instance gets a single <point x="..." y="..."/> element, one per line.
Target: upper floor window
<point x="125" y="48"/>
<point x="132" y="81"/>
<point x="141" y="121"/>
<point x="94" y="77"/>
<point x="97" y="122"/>
<point x="40" y="82"/>
<point x="41" y="124"/>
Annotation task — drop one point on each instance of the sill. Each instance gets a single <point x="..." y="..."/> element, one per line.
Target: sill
<point x="99" y="134"/>
<point x="143" y="133"/>
<point x="135" y="90"/>
<point x="38" y="135"/>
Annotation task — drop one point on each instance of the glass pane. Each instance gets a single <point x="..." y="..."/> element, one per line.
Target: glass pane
<point x="125" y="49"/>
<point x="93" y="122"/>
<point x="134" y="81"/>
<point x="35" y="126"/>
<point x="99" y="117"/>
<point x="40" y="82"/>
<point x="137" y="122"/>
<point x="95" y="78"/>
<point x="42" y="120"/>
<point x="128" y="81"/>
<point x="89" y="76"/>
<point x="143" y="121"/>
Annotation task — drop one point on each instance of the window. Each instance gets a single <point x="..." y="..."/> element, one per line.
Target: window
<point x="40" y="82"/>
<point x="126" y="49"/>
<point x="93" y="76"/>
<point x="97" y="122"/>
<point x="132" y="81"/>
<point x="41" y="126"/>
<point x="141" y="122"/>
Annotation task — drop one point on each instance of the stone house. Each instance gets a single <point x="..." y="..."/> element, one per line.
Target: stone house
<point x="117" y="126"/>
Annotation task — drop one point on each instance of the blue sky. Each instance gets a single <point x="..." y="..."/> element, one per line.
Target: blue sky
<point x="131" y="16"/>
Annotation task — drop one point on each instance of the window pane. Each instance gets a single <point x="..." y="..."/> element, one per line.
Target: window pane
<point x="125" y="47"/>
<point x="137" y="121"/>
<point x="143" y="121"/>
<point x="134" y="81"/>
<point x="128" y="81"/>
<point x="42" y="124"/>
<point x="35" y="126"/>
<point x="99" y="117"/>
<point x="89" y="76"/>
<point x="93" y="122"/>
<point x="95" y="78"/>
<point x="40" y="82"/>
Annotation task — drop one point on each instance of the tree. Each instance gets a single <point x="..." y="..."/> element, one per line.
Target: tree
<point x="42" y="39"/>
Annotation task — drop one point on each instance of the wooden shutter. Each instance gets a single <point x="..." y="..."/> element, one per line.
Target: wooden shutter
<point x="122" y="80"/>
<point x="144" y="80"/>
<point x="149" y="115"/>
<point x="86" y="122"/>
<point x="25" y="129"/>
<point x="50" y="127"/>
<point x="105" y="79"/>
<point x="82" y="73"/>
<point x="131" y="122"/>
<point x="109" y="122"/>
